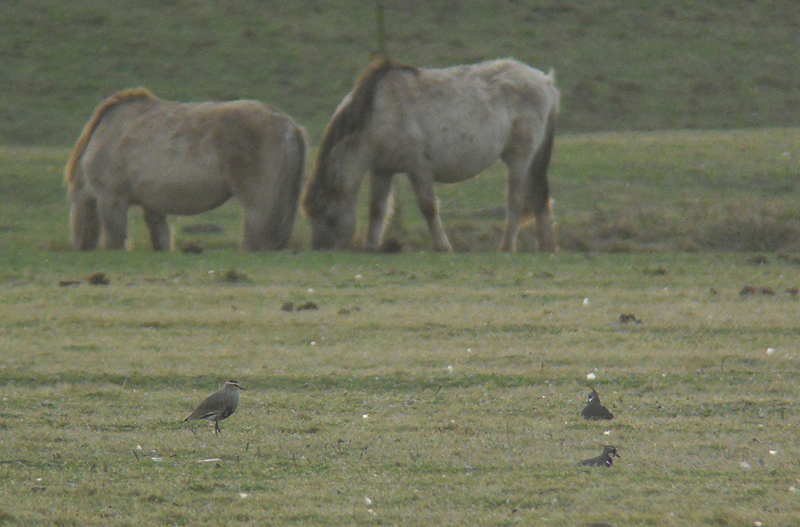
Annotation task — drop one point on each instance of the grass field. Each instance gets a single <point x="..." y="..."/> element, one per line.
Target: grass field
<point x="424" y="387"/>
<point x="416" y="388"/>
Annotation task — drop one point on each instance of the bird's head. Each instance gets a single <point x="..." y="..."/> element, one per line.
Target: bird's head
<point x="232" y="384"/>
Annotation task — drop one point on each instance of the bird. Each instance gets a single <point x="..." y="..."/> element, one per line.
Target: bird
<point x="219" y="405"/>
<point x="594" y="410"/>
<point x="604" y="459"/>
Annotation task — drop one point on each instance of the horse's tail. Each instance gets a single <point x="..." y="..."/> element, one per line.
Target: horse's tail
<point x="293" y="171"/>
<point x="70" y="178"/>
<point x="537" y="198"/>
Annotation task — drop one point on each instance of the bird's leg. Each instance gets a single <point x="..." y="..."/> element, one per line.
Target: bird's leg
<point x="216" y="427"/>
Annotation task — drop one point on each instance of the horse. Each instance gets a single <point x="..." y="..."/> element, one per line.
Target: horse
<point x="184" y="159"/>
<point x="436" y="125"/>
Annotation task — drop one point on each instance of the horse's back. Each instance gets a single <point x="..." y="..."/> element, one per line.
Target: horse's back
<point x="183" y="158"/>
<point x="464" y="117"/>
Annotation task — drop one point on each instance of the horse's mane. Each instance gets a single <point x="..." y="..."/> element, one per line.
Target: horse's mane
<point x="353" y="114"/>
<point x="118" y="98"/>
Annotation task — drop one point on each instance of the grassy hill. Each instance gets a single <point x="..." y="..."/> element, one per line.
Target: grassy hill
<point x="629" y="65"/>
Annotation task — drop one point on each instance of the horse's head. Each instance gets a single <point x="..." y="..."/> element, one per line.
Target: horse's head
<point x="333" y="226"/>
<point x="332" y="234"/>
<point x="331" y="213"/>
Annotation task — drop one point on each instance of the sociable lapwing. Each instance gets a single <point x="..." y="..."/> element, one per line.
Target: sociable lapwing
<point x="604" y="459"/>
<point x="594" y="410"/>
<point x="219" y="405"/>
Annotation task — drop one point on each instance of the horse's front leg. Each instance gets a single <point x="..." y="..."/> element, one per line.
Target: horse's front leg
<point x="422" y="183"/>
<point x="380" y="209"/>
<point x="160" y="235"/>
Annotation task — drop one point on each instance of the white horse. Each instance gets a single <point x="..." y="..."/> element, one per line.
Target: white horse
<point x="436" y="125"/>
<point x="184" y="158"/>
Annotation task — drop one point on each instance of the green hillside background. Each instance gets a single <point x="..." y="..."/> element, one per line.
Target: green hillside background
<point x="621" y="65"/>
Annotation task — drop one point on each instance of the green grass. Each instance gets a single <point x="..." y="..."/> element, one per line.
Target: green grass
<point x="442" y="387"/>
<point x="425" y="388"/>
<point x="629" y="65"/>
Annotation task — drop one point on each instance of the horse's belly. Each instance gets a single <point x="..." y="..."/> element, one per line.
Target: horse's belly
<point x="449" y="169"/>
<point x="182" y="196"/>
<point x="458" y="154"/>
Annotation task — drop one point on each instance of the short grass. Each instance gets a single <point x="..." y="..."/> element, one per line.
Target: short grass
<point x="424" y="388"/>
<point x="621" y="65"/>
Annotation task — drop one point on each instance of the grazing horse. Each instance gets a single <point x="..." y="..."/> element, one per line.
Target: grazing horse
<point x="184" y="158"/>
<point x="436" y="125"/>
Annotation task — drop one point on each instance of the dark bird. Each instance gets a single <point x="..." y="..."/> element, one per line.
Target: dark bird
<point x="219" y="405"/>
<point x="604" y="459"/>
<point x="594" y="410"/>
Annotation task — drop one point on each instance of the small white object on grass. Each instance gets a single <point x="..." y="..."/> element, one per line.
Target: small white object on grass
<point x="586" y="301"/>
<point x="367" y="501"/>
<point x="770" y="351"/>
<point x="591" y="376"/>
<point x="365" y="416"/>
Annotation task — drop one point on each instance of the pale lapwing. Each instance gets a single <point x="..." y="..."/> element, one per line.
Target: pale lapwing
<point x="219" y="405"/>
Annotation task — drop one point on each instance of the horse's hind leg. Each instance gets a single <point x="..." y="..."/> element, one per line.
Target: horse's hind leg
<point x="160" y="235"/>
<point x="545" y="231"/>
<point x="515" y="203"/>
<point x="258" y="232"/>
<point x="84" y="222"/>
<point x="525" y="196"/>
<point x="429" y="207"/>
<point x="380" y="207"/>
<point x="114" y="217"/>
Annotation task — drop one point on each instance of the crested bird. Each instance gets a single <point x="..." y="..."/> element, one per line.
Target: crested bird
<point x="219" y="405"/>
<point x="604" y="459"/>
<point x="594" y="410"/>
